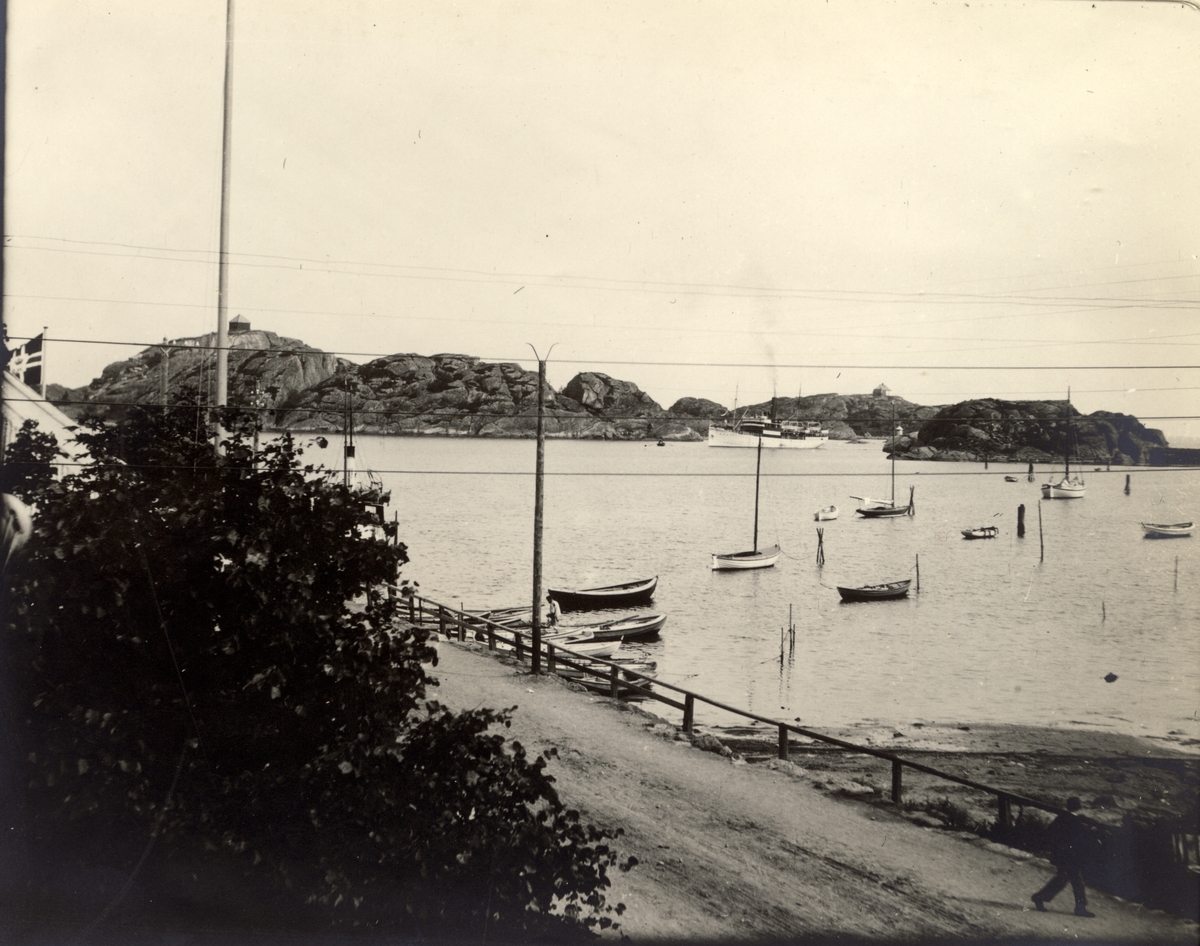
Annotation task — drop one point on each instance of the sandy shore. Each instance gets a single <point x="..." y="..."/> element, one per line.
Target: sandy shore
<point x="741" y="847"/>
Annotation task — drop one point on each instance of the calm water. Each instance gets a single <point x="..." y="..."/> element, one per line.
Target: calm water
<point x="993" y="635"/>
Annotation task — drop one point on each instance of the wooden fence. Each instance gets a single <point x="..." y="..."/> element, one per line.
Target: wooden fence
<point x="1166" y="871"/>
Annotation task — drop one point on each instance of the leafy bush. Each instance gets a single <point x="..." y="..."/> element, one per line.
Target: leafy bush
<point x="204" y="652"/>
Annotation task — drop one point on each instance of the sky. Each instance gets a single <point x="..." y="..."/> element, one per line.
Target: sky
<point x="728" y="200"/>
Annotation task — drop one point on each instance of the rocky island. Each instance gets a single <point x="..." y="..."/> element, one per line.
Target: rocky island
<point x="302" y="388"/>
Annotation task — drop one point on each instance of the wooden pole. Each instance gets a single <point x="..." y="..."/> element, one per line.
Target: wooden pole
<point x="918" y="572"/>
<point x="1021" y="521"/>
<point x="689" y="713"/>
<point x="538" y="491"/>
<point x="1041" y="539"/>
<point x="1126" y="484"/>
<point x="223" y="260"/>
<point x="757" y="469"/>
<point x="783" y="742"/>
<point x="897" y="781"/>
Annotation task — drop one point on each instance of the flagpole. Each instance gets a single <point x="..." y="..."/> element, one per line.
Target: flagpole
<point x="223" y="265"/>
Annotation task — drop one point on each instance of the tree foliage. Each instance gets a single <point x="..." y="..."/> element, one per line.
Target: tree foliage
<point x="29" y="461"/>
<point x="205" y="652"/>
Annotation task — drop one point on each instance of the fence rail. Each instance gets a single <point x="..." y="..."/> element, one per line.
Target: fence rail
<point x="1170" y="856"/>
<point x="452" y="622"/>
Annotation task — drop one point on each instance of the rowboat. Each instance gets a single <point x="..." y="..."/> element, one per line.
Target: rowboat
<point x="1010" y="479"/>
<point x="982" y="532"/>
<point x="1167" y="530"/>
<point x="632" y="627"/>
<point x="880" y="592"/>
<point x="625" y="595"/>
<point x="826" y="513"/>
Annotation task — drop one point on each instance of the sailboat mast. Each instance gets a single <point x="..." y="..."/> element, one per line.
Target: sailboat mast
<point x="1067" y="440"/>
<point x="892" y="451"/>
<point x="757" y="469"/>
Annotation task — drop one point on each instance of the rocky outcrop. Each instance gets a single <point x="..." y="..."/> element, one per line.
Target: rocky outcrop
<point x="264" y="369"/>
<point x="846" y="416"/>
<point x="303" y="388"/>
<point x="459" y="395"/>
<point x="1029" y="431"/>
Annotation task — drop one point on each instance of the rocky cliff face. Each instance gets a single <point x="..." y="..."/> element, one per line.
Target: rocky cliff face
<point x="1029" y="431"/>
<point x="264" y="368"/>
<point x="303" y="388"/>
<point x="459" y="395"/>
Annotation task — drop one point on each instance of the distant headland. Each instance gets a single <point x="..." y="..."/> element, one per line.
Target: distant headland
<point x="301" y="388"/>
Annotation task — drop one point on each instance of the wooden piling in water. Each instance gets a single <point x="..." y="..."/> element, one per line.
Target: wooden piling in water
<point x="1021" y="521"/>
<point x="1041" y="539"/>
<point x="1126" y="484"/>
<point x="918" y="571"/>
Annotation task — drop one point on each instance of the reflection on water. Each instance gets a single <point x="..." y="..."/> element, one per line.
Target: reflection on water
<point x="994" y="634"/>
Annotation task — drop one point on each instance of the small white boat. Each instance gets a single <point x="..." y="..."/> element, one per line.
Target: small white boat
<point x="982" y="532"/>
<point x="826" y="513"/>
<point x="1167" y="530"/>
<point x="758" y="558"/>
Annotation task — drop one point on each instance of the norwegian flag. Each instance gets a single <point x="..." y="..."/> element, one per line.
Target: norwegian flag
<point x="26" y="362"/>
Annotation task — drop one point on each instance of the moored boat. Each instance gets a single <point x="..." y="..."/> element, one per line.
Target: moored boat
<point x="1071" y="486"/>
<point x="1010" y="479"/>
<point x="755" y="557"/>
<point x="981" y="532"/>
<point x="625" y="595"/>
<point x="1167" y="530"/>
<point x="633" y="627"/>
<point x="826" y="513"/>
<point x="880" y="592"/>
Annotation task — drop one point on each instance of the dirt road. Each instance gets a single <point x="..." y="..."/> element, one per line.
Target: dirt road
<point x="732" y="851"/>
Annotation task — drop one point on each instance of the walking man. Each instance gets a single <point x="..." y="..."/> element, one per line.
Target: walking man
<point x="1068" y="839"/>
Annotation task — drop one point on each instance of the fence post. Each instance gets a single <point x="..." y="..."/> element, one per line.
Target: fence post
<point x="517" y="639"/>
<point x="462" y="627"/>
<point x="550" y="658"/>
<point x="612" y="682"/>
<point x="412" y="611"/>
<point x="897" y="785"/>
<point x="441" y="620"/>
<point x="491" y="632"/>
<point x="783" y="742"/>
<point x="689" y="713"/>
<point x="1002" y="814"/>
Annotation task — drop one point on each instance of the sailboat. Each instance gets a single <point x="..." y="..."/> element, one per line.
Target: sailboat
<point x="1069" y="487"/>
<point x="887" y="508"/>
<point x="756" y="557"/>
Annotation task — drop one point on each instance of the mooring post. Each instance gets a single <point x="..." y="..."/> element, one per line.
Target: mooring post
<point x="918" y="572"/>
<point x="612" y="682"/>
<point x="1021" y="521"/>
<point x="1041" y="539"/>
<point x="820" y="546"/>
<point x="689" y="713"/>
<point x="1003" y="818"/>
<point x="1126" y="484"/>
<point x="897" y="783"/>
<point x="783" y="742"/>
